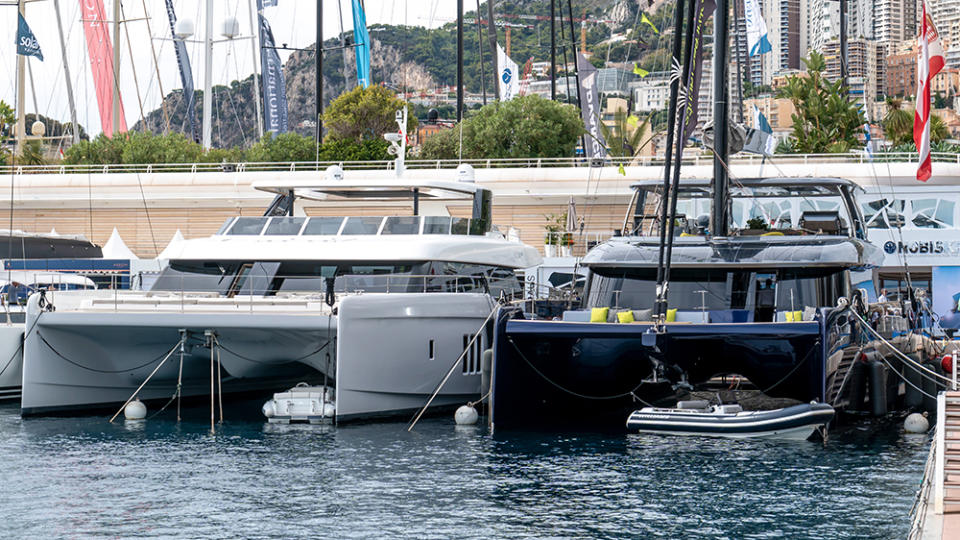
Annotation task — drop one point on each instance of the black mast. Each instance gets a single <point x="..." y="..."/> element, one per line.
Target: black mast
<point x="459" y="60"/>
<point x="671" y="127"/>
<point x="843" y="44"/>
<point x="492" y="35"/>
<point x="576" y="68"/>
<point x="483" y="83"/>
<point x="553" y="50"/>
<point x="721" y="35"/>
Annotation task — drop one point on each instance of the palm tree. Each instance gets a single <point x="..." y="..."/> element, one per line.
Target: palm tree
<point x="626" y="135"/>
<point x="898" y="123"/>
<point x="938" y="129"/>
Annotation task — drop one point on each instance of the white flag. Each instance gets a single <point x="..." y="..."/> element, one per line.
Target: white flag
<point x="508" y="74"/>
<point x="757" y="41"/>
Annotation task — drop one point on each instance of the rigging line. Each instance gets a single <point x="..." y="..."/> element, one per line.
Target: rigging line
<point x="571" y="392"/>
<point x="146" y="211"/>
<point x="81" y="366"/>
<point x="919" y="368"/>
<point x="156" y="65"/>
<point x="133" y="68"/>
<point x="233" y="104"/>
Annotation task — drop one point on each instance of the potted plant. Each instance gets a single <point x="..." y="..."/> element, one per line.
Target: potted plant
<point x="566" y="244"/>
<point x="554" y="235"/>
<point x="756" y="226"/>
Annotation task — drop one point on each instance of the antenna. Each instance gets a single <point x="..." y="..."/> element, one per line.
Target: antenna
<point x="398" y="141"/>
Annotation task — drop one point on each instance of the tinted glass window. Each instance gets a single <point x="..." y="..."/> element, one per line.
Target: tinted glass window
<point x="285" y="226"/>
<point x="460" y="226"/>
<point x="402" y="225"/>
<point x="436" y="225"/>
<point x="362" y="225"/>
<point x="323" y="225"/>
<point x="248" y="226"/>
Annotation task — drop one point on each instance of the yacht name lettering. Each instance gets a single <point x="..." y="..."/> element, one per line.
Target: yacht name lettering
<point x="927" y="247"/>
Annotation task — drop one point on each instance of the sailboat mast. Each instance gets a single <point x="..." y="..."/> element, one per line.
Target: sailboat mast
<point x="66" y="75"/>
<point x="553" y="50"/>
<point x="21" y="91"/>
<point x="208" y="76"/>
<point x="721" y="33"/>
<point x="319" y="75"/>
<point x="116" y="67"/>
<point x="255" y="31"/>
<point x="459" y="60"/>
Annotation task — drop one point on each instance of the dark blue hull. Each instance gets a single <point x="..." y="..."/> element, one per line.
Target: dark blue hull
<point x="594" y="373"/>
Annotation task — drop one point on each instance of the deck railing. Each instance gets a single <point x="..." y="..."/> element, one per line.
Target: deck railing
<point x="413" y="164"/>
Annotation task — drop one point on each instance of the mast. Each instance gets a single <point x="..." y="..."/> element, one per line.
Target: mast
<point x="66" y="74"/>
<point x="492" y="35"/>
<point x="843" y="44"/>
<point x="21" y="90"/>
<point x="459" y="60"/>
<point x="721" y="34"/>
<point x="553" y="50"/>
<point x="319" y="75"/>
<point x="208" y="76"/>
<point x="116" y="67"/>
<point x="483" y="83"/>
<point x="255" y="32"/>
<point x="576" y="69"/>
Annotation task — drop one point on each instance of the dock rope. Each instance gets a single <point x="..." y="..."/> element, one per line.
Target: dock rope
<point x="630" y="393"/>
<point x="144" y="383"/>
<point x="920" y="368"/>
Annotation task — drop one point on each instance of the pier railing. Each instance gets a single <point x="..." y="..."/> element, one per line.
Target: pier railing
<point x="413" y="164"/>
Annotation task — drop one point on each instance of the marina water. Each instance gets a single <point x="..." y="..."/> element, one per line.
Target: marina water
<point x="84" y="477"/>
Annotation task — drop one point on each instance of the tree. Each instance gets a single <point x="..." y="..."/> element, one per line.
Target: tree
<point x="938" y="129"/>
<point x="627" y="135"/>
<point x="365" y="113"/>
<point x="368" y="150"/>
<point x="7" y="118"/>
<point x="897" y="123"/>
<point x="283" y="147"/>
<point x="524" y="127"/>
<point x="827" y="120"/>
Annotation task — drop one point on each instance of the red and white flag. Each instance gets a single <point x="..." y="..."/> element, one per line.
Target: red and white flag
<point x="929" y="63"/>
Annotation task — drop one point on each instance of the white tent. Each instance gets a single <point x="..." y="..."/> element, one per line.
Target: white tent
<point x="115" y="248"/>
<point x="53" y="232"/>
<point x="174" y="242"/>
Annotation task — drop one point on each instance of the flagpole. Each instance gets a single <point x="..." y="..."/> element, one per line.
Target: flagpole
<point x="21" y="90"/>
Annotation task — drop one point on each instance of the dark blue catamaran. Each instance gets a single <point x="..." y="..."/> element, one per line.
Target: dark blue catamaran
<point x="754" y="283"/>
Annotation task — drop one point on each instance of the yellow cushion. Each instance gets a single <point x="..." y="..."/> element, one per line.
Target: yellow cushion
<point x="625" y="316"/>
<point x="672" y="315"/>
<point x="794" y="316"/>
<point x="599" y="314"/>
<point x="772" y="233"/>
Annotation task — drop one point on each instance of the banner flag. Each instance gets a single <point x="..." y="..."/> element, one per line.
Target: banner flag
<point x="930" y="61"/>
<point x="186" y="74"/>
<point x="271" y="77"/>
<point x="508" y="73"/>
<point x="27" y="44"/>
<point x="595" y="146"/>
<point x="100" y="51"/>
<point x="362" y="39"/>
<point x="757" y="41"/>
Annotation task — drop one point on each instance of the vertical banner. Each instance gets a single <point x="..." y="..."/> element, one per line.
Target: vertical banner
<point x="690" y="91"/>
<point x="186" y="74"/>
<point x="594" y="145"/>
<point x="100" y="51"/>
<point x="271" y="76"/>
<point x="362" y="39"/>
<point x="507" y="72"/>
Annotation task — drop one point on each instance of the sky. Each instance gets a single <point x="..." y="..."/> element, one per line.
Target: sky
<point x="293" y="23"/>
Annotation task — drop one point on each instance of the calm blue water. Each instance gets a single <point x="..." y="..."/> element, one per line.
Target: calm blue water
<point x="82" y="477"/>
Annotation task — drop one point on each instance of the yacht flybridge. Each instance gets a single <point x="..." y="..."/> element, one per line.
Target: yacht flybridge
<point x="377" y="307"/>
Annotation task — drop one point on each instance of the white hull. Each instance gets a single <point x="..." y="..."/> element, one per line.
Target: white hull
<point x="11" y="361"/>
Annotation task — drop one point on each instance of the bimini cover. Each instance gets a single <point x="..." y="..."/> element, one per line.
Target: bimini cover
<point x="784" y="251"/>
<point x="116" y="248"/>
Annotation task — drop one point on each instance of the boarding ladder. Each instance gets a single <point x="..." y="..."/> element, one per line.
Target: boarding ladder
<point x="947" y="474"/>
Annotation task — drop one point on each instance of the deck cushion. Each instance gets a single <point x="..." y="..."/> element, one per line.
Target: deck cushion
<point x="599" y="314"/>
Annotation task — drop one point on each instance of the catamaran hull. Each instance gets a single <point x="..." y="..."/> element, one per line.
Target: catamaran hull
<point x="11" y="361"/>
<point x="596" y="374"/>
<point x="79" y="361"/>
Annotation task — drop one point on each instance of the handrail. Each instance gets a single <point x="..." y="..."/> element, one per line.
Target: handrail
<point x="534" y="162"/>
<point x="941" y="457"/>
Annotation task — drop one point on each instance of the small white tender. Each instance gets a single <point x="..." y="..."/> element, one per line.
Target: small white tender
<point x="301" y="404"/>
<point x="730" y="420"/>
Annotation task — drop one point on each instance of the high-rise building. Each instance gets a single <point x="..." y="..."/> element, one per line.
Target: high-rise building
<point x="823" y="23"/>
<point x="894" y="21"/>
<point x="864" y="67"/>
<point x="946" y="17"/>
<point x="786" y="30"/>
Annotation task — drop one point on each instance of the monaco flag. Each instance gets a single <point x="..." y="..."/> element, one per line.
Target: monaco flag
<point x="929" y="63"/>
